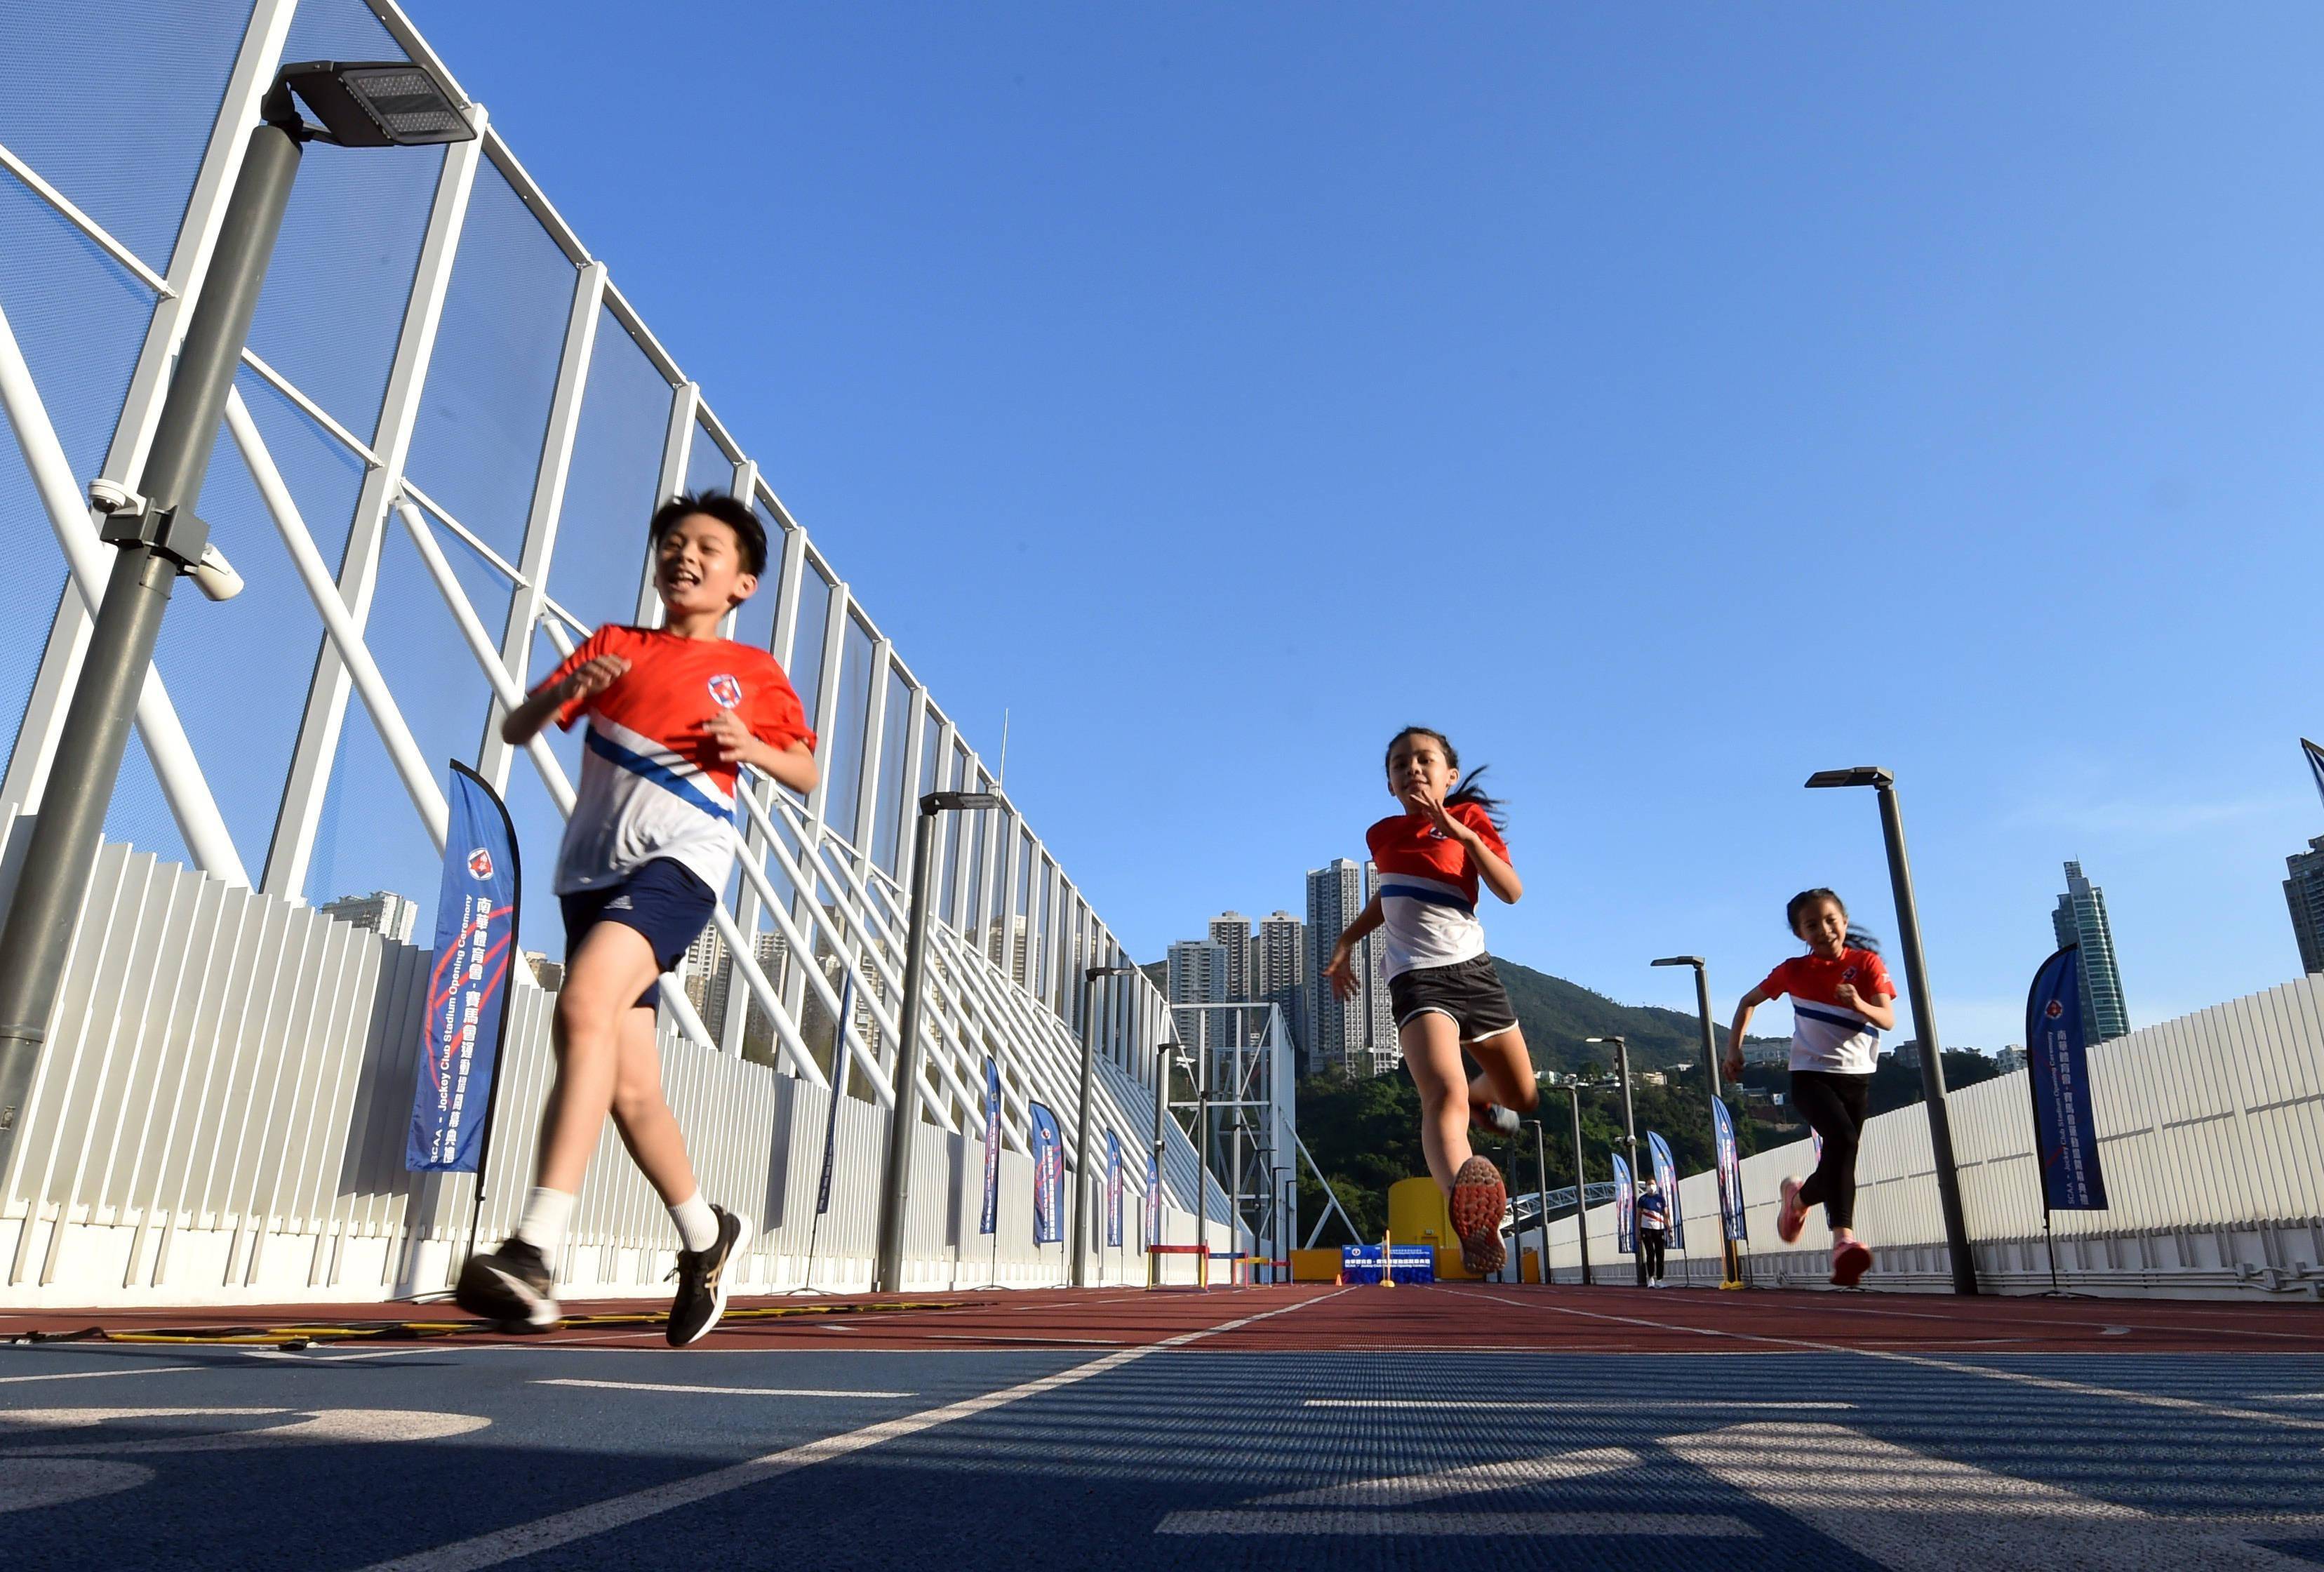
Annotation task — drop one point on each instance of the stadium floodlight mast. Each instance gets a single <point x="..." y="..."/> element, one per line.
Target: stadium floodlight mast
<point x="1630" y="1129"/>
<point x="904" y="1117"/>
<point x="1924" y="1017"/>
<point x="1090" y="975"/>
<point x="157" y="536"/>
<point x="1730" y="1257"/>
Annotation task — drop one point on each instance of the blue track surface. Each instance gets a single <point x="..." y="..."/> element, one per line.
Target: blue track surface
<point x="1154" y="1457"/>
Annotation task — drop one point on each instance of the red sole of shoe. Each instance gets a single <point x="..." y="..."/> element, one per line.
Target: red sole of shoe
<point x="1849" y="1266"/>
<point x="1478" y="1200"/>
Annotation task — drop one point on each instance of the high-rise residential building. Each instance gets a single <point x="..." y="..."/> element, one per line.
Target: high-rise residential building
<point x="1278" y="971"/>
<point x="2080" y="918"/>
<point x="2304" y="894"/>
<point x="548" y="975"/>
<point x="1231" y="930"/>
<point x="1340" y="1032"/>
<point x="383" y="911"/>
<point x="709" y="977"/>
<point x="1198" y="975"/>
<point x="2010" y="1059"/>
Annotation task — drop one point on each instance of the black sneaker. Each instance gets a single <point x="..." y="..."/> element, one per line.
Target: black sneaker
<point x="513" y="1286"/>
<point x="702" y="1280"/>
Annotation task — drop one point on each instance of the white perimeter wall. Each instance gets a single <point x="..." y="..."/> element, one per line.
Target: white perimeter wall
<point x="2211" y="1135"/>
<point x="221" y="1113"/>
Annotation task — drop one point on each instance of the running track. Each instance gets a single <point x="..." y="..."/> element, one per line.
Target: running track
<point x="1288" y="1427"/>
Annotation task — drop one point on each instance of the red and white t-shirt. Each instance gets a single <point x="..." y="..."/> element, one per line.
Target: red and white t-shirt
<point x="1826" y="1034"/>
<point x="1428" y="888"/>
<point x="652" y="785"/>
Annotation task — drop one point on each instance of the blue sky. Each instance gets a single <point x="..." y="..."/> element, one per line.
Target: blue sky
<point x="1666" y="403"/>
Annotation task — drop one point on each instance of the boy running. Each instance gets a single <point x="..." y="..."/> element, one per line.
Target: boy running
<point x="674" y="712"/>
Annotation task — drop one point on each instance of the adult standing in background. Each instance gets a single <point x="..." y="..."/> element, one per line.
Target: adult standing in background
<point x="1654" y="1228"/>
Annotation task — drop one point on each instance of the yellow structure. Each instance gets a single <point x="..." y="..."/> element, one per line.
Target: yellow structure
<point x="1315" y="1266"/>
<point x="1416" y="1214"/>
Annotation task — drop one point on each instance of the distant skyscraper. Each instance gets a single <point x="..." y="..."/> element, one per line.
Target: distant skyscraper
<point x="2081" y="920"/>
<point x="1232" y="930"/>
<point x="1278" y="971"/>
<point x="709" y="977"/>
<point x="1339" y="1031"/>
<point x="1198" y="975"/>
<point x="383" y="911"/>
<point x="2304" y="894"/>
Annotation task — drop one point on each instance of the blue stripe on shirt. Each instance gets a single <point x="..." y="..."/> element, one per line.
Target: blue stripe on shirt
<point x="660" y="774"/>
<point x="1850" y="1021"/>
<point x="1433" y="897"/>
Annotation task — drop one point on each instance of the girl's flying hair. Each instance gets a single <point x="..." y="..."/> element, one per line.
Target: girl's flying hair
<point x="1468" y="790"/>
<point x="1805" y="899"/>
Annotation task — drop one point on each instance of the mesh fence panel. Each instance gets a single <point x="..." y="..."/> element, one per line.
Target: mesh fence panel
<point x="600" y="542"/>
<point x="145" y="79"/>
<point x="476" y="438"/>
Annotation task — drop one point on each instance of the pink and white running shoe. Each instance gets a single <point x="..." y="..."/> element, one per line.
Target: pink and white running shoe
<point x="1791" y="1215"/>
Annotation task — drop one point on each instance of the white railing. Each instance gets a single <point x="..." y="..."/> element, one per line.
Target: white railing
<point x="221" y="1111"/>
<point x="2211" y="1135"/>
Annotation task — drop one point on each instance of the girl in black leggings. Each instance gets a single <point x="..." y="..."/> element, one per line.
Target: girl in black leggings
<point x="1841" y="1001"/>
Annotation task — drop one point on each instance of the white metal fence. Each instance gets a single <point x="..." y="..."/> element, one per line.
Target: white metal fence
<point x="2210" y="1133"/>
<point x="222" y="1111"/>
<point x="448" y="434"/>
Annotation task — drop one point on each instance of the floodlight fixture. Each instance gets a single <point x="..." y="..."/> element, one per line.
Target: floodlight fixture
<point x="1860" y="775"/>
<point x="366" y="104"/>
<point x="959" y="802"/>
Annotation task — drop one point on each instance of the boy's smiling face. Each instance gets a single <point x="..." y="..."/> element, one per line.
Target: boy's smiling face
<point x="699" y="570"/>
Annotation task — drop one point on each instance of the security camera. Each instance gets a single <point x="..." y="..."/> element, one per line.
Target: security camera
<point x="215" y="577"/>
<point x="110" y="498"/>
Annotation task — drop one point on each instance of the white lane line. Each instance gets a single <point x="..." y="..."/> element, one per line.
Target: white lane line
<point x="1627" y="1405"/>
<point x="94" y="1375"/>
<point x="1929" y="1362"/>
<point x="714" y="1390"/>
<point x="1464" y="1524"/>
<point x="565" y="1527"/>
<point x="1474" y="1479"/>
<point x="1910" y="1512"/>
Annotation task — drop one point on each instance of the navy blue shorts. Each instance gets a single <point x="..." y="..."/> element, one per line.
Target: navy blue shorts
<point x="665" y="901"/>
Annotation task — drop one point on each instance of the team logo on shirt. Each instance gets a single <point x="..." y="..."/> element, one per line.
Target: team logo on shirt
<point x="726" y="691"/>
<point x="480" y="862"/>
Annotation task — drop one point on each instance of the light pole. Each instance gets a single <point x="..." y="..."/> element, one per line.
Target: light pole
<point x="1541" y="1171"/>
<point x="157" y="536"/>
<point x="1283" y="1223"/>
<point x="1629" y="1132"/>
<point x="904" y="1118"/>
<point x="1730" y="1257"/>
<point x="1090" y="975"/>
<point x="1163" y="1056"/>
<point x="1581" y="1197"/>
<point x="1924" y="1017"/>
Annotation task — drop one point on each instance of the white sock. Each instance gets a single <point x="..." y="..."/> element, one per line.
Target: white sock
<point x="542" y="1226"/>
<point x="697" y="1225"/>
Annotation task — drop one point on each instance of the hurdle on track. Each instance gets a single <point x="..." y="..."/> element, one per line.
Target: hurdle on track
<point x="1201" y="1254"/>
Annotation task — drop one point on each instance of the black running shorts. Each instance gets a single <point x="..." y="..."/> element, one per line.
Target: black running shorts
<point x="664" y="899"/>
<point x="1469" y="991"/>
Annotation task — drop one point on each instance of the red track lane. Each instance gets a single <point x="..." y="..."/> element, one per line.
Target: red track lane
<point x="1446" y="1318"/>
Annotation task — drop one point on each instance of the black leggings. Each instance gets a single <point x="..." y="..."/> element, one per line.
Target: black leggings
<point x="1833" y="1106"/>
<point x="1651" y="1241"/>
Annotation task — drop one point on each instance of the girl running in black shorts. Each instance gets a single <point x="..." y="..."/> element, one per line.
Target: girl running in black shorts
<point x="1841" y="1001"/>
<point x="1430" y="857"/>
